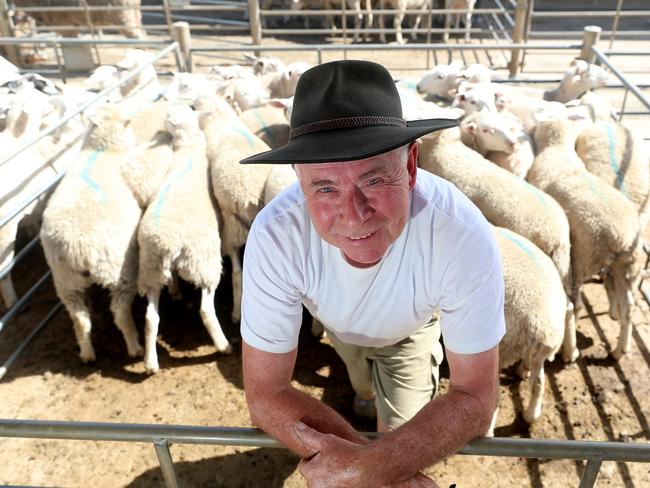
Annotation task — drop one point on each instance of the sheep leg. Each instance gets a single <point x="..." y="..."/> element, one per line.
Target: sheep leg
<point x="7" y="243"/>
<point x="493" y="423"/>
<point x="445" y="34"/>
<point x="174" y="289"/>
<point x="533" y="410"/>
<point x="7" y="291"/>
<point x="121" y="301"/>
<point x="236" y="286"/>
<point x="152" y="320"/>
<point x="369" y="19"/>
<point x="382" y="34"/>
<point x="468" y="25"/>
<point x="625" y="300"/>
<point x="211" y="322"/>
<point x="75" y="304"/>
<point x="397" y="24"/>
<point x="569" y="348"/>
<point x="416" y="24"/>
<point x="610" y="288"/>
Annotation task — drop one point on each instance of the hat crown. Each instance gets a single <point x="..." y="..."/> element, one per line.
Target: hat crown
<point x="343" y="89"/>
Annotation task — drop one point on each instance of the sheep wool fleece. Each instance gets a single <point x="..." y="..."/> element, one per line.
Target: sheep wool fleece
<point x="446" y="258"/>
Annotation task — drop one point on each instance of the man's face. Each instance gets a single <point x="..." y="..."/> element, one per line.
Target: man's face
<point x="361" y="206"/>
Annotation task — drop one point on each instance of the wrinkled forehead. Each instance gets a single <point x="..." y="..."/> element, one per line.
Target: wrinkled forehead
<point x="389" y="161"/>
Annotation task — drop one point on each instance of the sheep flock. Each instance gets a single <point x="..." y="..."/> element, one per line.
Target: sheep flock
<point x="151" y="191"/>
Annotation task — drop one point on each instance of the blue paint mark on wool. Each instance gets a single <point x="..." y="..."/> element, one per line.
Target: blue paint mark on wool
<point x="247" y="135"/>
<point x="522" y="245"/>
<point x="85" y="175"/>
<point x="265" y="128"/>
<point x="163" y="192"/>
<point x="611" y="143"/>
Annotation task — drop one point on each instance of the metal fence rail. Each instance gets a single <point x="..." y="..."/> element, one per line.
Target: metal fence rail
<point x="164" y="435"/>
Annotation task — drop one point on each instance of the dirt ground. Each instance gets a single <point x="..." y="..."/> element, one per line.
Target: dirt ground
<point x="596" y="398"/>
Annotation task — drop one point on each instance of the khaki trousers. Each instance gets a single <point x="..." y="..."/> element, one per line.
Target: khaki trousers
<point x="402" y="377"/>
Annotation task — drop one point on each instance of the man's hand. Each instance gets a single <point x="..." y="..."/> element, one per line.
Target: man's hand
<point x="339" y="463"/>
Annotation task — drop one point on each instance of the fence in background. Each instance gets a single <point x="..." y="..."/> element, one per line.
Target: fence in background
<point x="162" y="436"/>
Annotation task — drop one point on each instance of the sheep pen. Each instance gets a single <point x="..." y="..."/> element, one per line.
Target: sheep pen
<point x="596" y="398"/>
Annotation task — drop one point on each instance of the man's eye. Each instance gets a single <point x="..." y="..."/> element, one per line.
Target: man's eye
<point x="325" y="189"/>
<point x="374" y="181"/>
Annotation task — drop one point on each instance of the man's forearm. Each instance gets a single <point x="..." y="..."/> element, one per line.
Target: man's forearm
<point x="439" y="430"/>
<point x="278" y="413"/>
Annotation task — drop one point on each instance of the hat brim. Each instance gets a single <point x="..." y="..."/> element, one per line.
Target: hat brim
<point x="337" y="145"/>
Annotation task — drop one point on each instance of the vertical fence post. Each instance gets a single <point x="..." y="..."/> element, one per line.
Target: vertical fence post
<point x="7" y="30"/>
<point x="182" y="36"/>
<point x="168" y="18"/>
<point x="590" y="37"/>
<point x="254" y="19"/>
<point x="166" y="463"/>
<point x="517" y="36"/>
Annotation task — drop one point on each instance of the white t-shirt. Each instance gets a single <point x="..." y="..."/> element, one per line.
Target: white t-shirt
<point x="446" y="258"/>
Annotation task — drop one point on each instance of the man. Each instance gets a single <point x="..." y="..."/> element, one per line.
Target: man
<point x="372" y="247"/>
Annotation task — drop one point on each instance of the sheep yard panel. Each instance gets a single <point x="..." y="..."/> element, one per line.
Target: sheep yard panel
<point x="596" y="398"/>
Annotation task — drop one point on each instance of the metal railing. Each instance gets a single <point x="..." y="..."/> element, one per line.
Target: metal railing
<point x="162" y="436"/>
<point x="25" y="202"/>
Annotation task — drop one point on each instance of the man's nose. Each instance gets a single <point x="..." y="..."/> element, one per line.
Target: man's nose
<point x="355" y="207"/>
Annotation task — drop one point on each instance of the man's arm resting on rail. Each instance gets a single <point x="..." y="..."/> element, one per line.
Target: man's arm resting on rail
<point x="440" y="429"/>
<point x="276" y="406"/>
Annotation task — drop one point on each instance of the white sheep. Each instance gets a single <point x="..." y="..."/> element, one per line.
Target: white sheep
<point x="269" y="123"/>
<point x="534" y="307"/>
<point x="93" y="197"/>
<point x="179" y="233"/>
<point x="282" y="84"/>
<point x="479" y="97"/>
<point x="612" y="152"/>
<point x="579" y="78"/>
<point x="243" y="93"/>
<point x="604" y="224"/>
<point x="146" y="82"/>
<point x="501" y="138"/>
<point x="400" y="7"/>
<point x="34" y="168"/>
<point x="506" y="201"/>
<point x="478" y="73"/>
<point x="524" y="107"/>
<point x="264" y="64"/>
<point x="468" y="6"/>
<point x="442" y="80"/>
<point x="238" y="189"/>
<point x="189" y="86"/>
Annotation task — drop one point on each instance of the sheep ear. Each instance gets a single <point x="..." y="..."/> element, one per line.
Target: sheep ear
<point x="249" y="57"/>
<point x="471" y="126"/>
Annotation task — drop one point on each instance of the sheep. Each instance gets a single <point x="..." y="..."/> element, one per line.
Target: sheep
<point x="524" y="107"/>
<point x="534" y="308"/>
<point x="152" y="156"/>
<point x="269" y="123"/>
<point x="93" y="196"/>
<point x="280" y="177"/>
<point x="189" y="86"/>
<point x="264" y="64"/>
<point x="578" y="79"/>
<point x="230" y="72"/>
<point x="610" y="150"/>
<point x="32" y="169"/>
<point x="243" y="93"/>
<point x="506" y="201"/>
<point x="442" y="80"/>
<point x="179" y="233"/>
<point x="478" y="73"/>
<point x="238" y="189"/>
<point x="480" y="97"/>
<point x="146" y="82"/>
<point x="501" y="139"/>
<point x="468" y="6"/>
<point x="604" y="224"/>
<point x="282" y="84"/>
<point x="401" y="6"/>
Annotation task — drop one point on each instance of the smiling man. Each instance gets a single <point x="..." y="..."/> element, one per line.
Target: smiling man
<point x="374" y="248"/>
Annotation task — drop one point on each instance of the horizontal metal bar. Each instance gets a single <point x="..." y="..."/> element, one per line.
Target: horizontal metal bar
<point x="242" y="436"/>
<point x="339" y="12"/>
<point x="142" y="8"/>
<point x="619" y="74"/>
<point x="588" y="13"/>
<point x="13" y="311"/>
<point x="578" y="34"/>
<point x="386" y="47"/>
<point x="67" y="40"/>
<point x="19" y="256"/>
<point x="19" y="350"/>
<point x="626" y="53"/>
<point x="27" y="201"/>
<point x="22" y="147"/>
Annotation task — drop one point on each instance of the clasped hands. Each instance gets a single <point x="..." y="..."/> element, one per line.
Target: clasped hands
<point x="339" y="463"/>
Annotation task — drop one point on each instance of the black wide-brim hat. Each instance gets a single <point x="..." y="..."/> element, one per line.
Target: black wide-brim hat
<point x="345" y="111"/>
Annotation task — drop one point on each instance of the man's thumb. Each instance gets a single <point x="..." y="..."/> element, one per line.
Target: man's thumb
<point x="309" y="437"/>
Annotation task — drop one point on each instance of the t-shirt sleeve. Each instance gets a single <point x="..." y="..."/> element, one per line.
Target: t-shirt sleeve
<point x="472" y="300"/>
<point x="271" y="302"/>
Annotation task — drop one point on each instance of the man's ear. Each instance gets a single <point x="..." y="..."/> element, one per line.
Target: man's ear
<point x="412" y="163"/>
